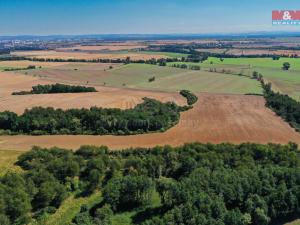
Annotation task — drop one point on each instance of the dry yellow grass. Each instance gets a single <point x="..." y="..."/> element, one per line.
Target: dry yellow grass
<point x="7" y="161"/>
<point x="296" y="222"/>
<point x="114" y="47"/>
<point x="85" y="55"/>
<point x="105" y="97"/>
<point x="25" y="63"/>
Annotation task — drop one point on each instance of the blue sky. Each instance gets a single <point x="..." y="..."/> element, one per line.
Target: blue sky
<point x="44" y="17"/>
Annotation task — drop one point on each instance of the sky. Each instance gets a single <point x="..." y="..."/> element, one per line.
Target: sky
<point x="54" y="17"/>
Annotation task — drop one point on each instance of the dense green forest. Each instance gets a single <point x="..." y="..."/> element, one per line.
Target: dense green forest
<point x="56" y="88"/>
<point x="283" y="105"/>
<point x="196" y="184"/>
<point x="149" y="116"/>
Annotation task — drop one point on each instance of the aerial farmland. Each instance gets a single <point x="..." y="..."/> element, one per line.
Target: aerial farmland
<point x="149" y="113"/>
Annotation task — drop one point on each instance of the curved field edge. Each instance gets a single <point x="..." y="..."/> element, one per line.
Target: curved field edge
<point x="214" y="118"/>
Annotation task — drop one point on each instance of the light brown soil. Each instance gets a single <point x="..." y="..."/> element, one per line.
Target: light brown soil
<point x="114" y="47"/>
<point x="105" y="97"/>
<point x="85" y="55"/>
<point x="25" y="63"/>
<point x="215" y="118"/>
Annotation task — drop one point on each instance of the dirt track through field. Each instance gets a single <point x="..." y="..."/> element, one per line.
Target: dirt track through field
<point x="215" y="118"/>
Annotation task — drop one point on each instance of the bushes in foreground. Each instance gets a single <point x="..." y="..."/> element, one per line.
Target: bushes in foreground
<point x="56" y="88"/>
<point x="196" y="183"/>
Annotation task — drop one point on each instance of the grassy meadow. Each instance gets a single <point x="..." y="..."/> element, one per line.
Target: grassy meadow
<point x="7" y="161"/>
<point x="137" y="76"/>
<point x="174" y="79"/>
<point x="70" y="208"/>
<point x="287" y="82"/>
<point x="168" y="54"/>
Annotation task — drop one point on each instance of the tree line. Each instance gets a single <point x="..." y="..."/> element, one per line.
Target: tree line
<point x="196" y="183"/>
<point x="56" y="88"/>
<point x="283" y="105"/>
<point x="4" y="51"/>
<point x="149" y="116"/>
<point x="185" y="66"/>
<point x="126" y="60"/>
<point x="30" y="67"/>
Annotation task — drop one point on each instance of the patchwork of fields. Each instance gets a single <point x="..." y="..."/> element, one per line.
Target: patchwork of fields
<point x="287" y="82"/>
<point x="94" y="54"/>
<point x="137" y="76"/>
<point x="223" y="113"/>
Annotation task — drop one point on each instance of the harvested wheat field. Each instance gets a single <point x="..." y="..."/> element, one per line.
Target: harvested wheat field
<point x="10" y="82"/>
<point x="85" y="55"/>
<point x="215" y="118"/>
<point x="105" y="97"/>
<point x="25" y="63"/>
<point x="110" y="47"/>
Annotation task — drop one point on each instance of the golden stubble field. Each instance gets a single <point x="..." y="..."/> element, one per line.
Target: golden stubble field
<point x="105" y="97"/>
<point x="116" y="46"/>
<point x="86" y="55"/>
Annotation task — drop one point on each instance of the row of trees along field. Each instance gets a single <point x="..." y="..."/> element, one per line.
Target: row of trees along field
<point x="195" y="184"/>
<point x="194" y="51"/>
<point x="30" y="67"/>
<point x="283" y="105"/>
<point x="149" y="116"/>
<point x="125" y="61"/>
<point x="56" y="88"/>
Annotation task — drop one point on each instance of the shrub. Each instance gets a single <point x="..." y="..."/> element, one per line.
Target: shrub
<point x="191" y="98"/>
<point x="56" y="88"/>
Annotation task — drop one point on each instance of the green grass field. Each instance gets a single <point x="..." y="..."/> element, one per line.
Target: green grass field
<point x="173" y="79"/>
<point x="2" y="68"/>
<point x="70" y="208"/>
<point x="287" y="82"/>
<point x="7" y="161"/>
<point x="168" y="54"/>
<point x="257" y="62"/>
<point x="126" y="218"/>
